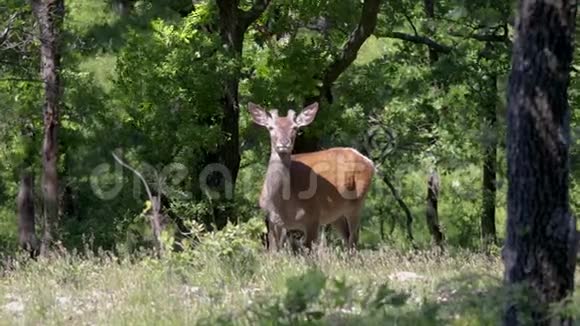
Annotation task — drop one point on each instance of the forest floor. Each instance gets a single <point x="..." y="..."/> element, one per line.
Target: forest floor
<point x="329" y="287"/>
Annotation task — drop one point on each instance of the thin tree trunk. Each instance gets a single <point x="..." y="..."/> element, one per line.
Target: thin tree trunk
<point x="155" y="221"/>
<point x="432" y="215"/>
<point x="488" y="231"/>
<point x="49" y="16"/>
<point x="26" y="217"/>
<point x="433" y="182"/>
<point x="540" y="249"/>
<point x="381" y="217"/>
<point x="404" y="207"/>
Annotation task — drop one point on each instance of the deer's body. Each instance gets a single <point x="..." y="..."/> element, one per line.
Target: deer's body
<point x="305" y="191"/>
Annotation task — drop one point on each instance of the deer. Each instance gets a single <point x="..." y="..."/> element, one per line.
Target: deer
<point x="306" y="191"/>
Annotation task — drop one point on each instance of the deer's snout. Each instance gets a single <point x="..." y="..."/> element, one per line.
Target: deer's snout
<point x="284" y="145"/>
<point x="285" y="142"/>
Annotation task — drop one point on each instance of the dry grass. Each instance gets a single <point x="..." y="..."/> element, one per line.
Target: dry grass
<point x="460" y="288"/>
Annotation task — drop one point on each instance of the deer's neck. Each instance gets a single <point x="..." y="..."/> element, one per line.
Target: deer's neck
<point x="278" y="176"/>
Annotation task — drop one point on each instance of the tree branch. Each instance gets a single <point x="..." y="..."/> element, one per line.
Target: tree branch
<point x="250" y="16"/>
<point x="402" y="204"/>
<point x="364" y="29"/>
<point x="442" y="48"/>
<point x="138" y="174"/>
<point x="155" y="219"/>
<point x="418" y="39"/>
<point x="6" y="31"/>
<point x="493" y="37"/>
<point x="412" y="25"/>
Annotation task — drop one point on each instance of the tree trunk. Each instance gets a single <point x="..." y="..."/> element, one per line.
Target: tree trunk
<point x="232" y="36"/>
<point x="488" y="232"/>
<point x="156" y="228"/>
<point x="307" y="142"/>
<point x="432" y="214"/>
<point x="49" y="15"/>
<point x="433" y="182"/>
<point x="233" y="23"/>
<point x="26" y="217"/>
<point x="540" y="252"/>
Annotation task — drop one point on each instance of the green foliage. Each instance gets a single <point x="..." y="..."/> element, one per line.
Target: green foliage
<point x="149" y="82"/>
<point x="233" y="240"/>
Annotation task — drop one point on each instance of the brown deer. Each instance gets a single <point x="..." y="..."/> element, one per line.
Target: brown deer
<point x="305" y="191"/>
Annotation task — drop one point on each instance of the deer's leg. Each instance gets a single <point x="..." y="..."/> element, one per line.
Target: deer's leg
<point x="272" y="239"/>
<point x="311" y="234"/>
<point x="341" y="226"/>
<point x="353" y="226"/>
<point x="276" y="235"/>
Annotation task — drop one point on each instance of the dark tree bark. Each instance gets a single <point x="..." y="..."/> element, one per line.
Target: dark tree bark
<point x="429" y="7"/>
<point x="233" y="24"/>
<point x="539" y="251"/>
<point x="432" y="214"/>
<point x="368" y="20"/>
<point x="488" y="231"/>
<point x="49" y="15"/>
<point x="26" y="218"/>
<point x="433" y="182"/>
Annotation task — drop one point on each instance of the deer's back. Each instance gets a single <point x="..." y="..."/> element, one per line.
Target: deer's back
<point x="338" y="171"/>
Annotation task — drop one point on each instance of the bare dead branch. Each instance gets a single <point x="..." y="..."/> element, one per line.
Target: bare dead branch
<point x="138" y="174"/>
<point x="155" y="205"/>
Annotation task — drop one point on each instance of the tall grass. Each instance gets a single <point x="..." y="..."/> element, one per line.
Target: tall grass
<point x="252" y="287"/>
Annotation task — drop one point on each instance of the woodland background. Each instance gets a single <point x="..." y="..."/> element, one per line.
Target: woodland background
<point x="425" y="97"/>
<point x="418" y="86"/>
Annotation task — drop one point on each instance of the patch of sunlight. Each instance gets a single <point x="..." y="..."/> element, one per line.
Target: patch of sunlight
<point x="82" y="15"/>
<point x="372" y="49"/>
<point x="103" y="69"/>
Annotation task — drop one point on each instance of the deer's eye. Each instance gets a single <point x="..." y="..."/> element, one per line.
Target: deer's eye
<point x="270" y="128"/>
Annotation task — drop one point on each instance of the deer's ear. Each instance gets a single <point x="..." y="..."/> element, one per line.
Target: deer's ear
<point x="259" y="116"/>
<point x="307" y="115"/>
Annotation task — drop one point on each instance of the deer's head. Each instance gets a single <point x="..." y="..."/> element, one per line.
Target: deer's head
<point x="282" y="130"/>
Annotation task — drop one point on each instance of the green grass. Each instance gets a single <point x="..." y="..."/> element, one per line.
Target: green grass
<point x="328" y="287"/>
